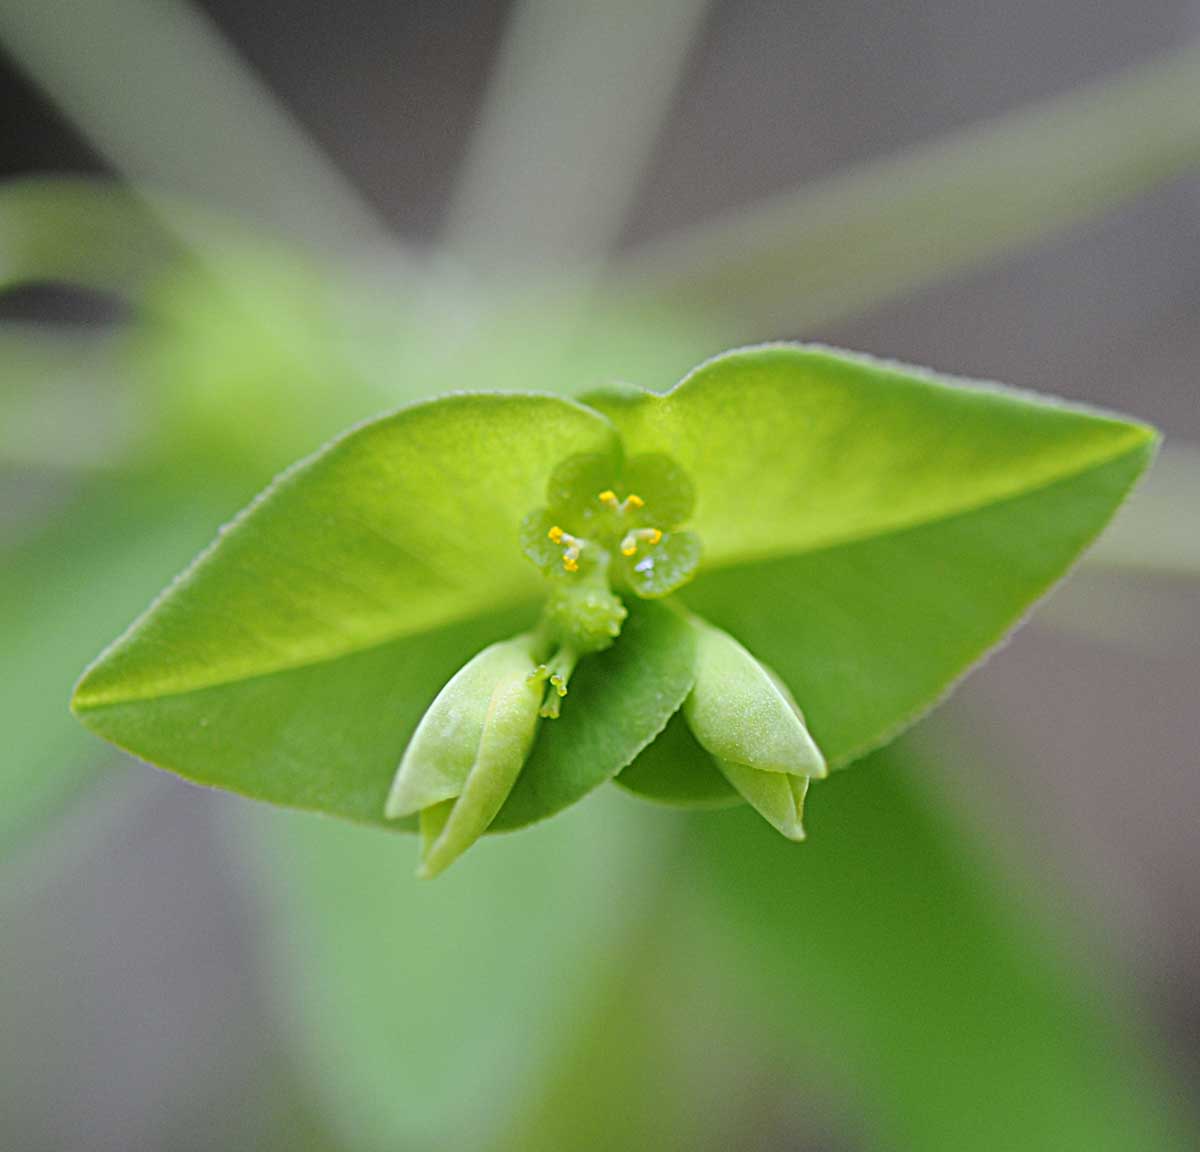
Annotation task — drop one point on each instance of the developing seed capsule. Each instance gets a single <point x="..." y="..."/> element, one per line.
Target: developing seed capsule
<point x="778" y="797"/>
<point x="468" y="750"/>
<point x="738" y="712"/>
<point x="746" y="718"/>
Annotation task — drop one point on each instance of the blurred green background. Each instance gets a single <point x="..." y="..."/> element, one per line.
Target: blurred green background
<point x="228" y="230"/>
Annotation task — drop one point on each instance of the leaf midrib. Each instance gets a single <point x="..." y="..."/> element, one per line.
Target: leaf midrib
<point x="1137" y="437"/>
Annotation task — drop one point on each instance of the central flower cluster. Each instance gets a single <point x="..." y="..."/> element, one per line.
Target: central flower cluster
<point x="607" y="531"/>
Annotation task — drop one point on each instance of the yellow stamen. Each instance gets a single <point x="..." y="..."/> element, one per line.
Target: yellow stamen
<point x="571" y="555"/>
<point x="573" y="549"/>
<point x="629" y="545"/>
<point x="609" y="499"/>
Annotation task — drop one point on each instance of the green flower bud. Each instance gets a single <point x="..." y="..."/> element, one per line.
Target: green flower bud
<point x="742" y="714"/>
<point x="468" y="750"/>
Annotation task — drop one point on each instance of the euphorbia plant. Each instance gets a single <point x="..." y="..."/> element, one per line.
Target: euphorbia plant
<point x="707" y="595"/>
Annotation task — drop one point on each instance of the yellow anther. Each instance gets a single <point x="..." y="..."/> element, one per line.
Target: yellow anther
<point x="609" y="499"/>
<point x="629" y="545"/>
<point x="572" y="550"/>
<point x="571" y="555"/>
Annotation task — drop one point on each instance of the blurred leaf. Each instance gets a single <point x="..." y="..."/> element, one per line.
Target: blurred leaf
<point x="422" y="1016"/>
<point x="249" y="353"/>
<point x="62" y="592"/>
<point x="883" y="952"/>
<point x="875" y="988"/>
<point x="871" y="531"/>
<point x="257" y="357"/>
<point x="660" y="1055"/>
<point x="302" y="648"/>
<point x="262" y="355"/>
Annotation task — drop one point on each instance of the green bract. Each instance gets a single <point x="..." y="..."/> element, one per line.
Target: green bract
<point x="787" y="522"/>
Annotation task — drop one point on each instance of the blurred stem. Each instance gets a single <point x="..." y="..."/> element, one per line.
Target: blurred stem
<point x="157" y="90"/>
<point x="579" y="96"/>
<point x="1139" y="612"/>
<point x="1159" y="529"/>
<point x="1140" y="579"/>
<point x="845" y="244"/>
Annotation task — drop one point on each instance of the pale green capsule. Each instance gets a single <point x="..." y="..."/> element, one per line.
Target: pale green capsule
<point x="468" y="750"/>
<point x="444" y="747"/>
<point x="776" y="796"/>
<point x="739" y="713"/>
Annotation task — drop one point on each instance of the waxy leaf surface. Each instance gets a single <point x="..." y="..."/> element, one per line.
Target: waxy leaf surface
<point x="293" y="661"/>
<point x="871" y="531"/>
